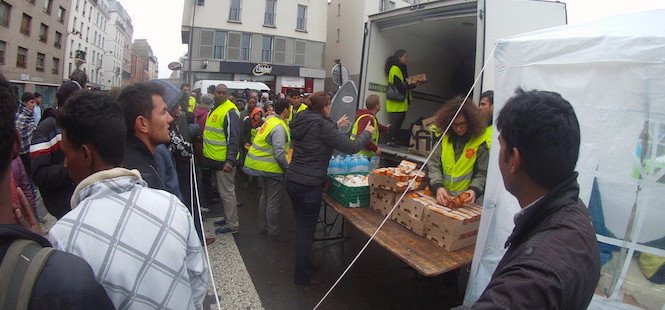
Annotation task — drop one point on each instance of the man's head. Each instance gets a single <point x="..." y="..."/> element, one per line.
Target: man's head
<point x="38" y="98"/>
<point x="185" y="88"/>
<point x="80" y="77"/>
<point x="540" y="139"/>
<point x="66" y="90"/>
<point x="211" y="89"/>
<point x="372" y="103"/>
<point x="146" y="114"/>
<point x="93" y="134"/>
<point x="29" y="99"/>
<point x="9" y="141"/>
<point x="251" y="103"/>
<point x="282" y="108"/>
<point x="486" y="104"/>
<point x="294" y="97"/>
<point x="221" y="93"/>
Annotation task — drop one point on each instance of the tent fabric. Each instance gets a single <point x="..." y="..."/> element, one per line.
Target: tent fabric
<point x="613" y="73"/>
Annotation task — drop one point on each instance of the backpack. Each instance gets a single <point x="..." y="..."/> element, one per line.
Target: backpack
<point x="21" y="267"/>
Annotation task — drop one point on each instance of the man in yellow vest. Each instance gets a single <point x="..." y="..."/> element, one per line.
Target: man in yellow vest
<point x="297" y="103"/>
<point x="368" y="116"/>
<point x="267" y="159"/>
<point x="486" y="106"/>
<point x="221" y="142"/>
<point x="459" y="163"/>
<point x="192" y="101"/>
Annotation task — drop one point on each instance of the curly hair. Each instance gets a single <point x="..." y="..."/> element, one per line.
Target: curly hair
<point x="7" y="124"/>
<point x="476" y="124"/>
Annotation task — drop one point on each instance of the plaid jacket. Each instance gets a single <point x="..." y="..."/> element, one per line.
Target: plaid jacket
<point x="25" y="123"/>
<point x="140" y="242"/>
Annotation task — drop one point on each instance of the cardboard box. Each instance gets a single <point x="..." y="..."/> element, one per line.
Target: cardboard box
<point x="415" y="225"/>
<point x="382" y="200"/>
<point x="412" y="207"/>
<point x="422" y="77"/>
<point x="451" y="234"/>
<point x="387" y="182"/>
<point x="422" y="138"/>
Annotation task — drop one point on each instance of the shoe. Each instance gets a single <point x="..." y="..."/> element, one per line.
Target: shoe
<point x="210" y="241"/>
<point x="392" y="144"/>
<point x="278" y="239"/>
<point x="220" y="223"/>
<point x="313" y="281"/>
<point x="224" y="230"/>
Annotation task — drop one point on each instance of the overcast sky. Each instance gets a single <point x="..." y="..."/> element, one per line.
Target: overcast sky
<point x="159" y="21"/>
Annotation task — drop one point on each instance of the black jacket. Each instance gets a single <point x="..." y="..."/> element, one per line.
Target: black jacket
<point x="139" y="157"/>
<point x="314" y="138"/>
<point x="48" y="168"/>
<point x="66" y="282"/>
<point x="553" y="259"/>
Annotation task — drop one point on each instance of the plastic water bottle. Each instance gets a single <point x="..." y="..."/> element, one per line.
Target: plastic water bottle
<point x="355" y="164"/>
<point x="337" y="165"/>
<point x="365" y="163"/>
<point x="347" y="164"/>
<point x="331" y="168"/>
<point x="374" y="163"/>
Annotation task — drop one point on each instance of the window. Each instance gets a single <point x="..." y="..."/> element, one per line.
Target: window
<point x="61" y="14"/>
<point x="57" y="43"/>
<point x="22" y="57"/>
<point x="245" y="46"/>
<point x="234" y="13"/>
<point x="302" y="18"/>
<point x="219" y="44"/>
<point x="77" y="5"/>
<point x="43" y="33"/>
<point x="3" y="48"/>
<point x="339" y="9"/>
<point x="5" y="10"/>
<point x="201" y="2"/>
<point x="279" y="51"/>
<point x="299" y="53"/>
<point x="338" y="35"/>
<point x="266" y="52"/>
<point x="269" y="18"/>
<point x="47" y="6"/>
<point x="40" y="62"/>
<point x="55" y="65"/>
<point x="386" y="5"/>
<point x="26" y="23"/>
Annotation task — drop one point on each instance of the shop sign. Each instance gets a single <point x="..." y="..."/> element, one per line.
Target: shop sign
<point x="27" y="77"/>
<point x="261" y="69"/>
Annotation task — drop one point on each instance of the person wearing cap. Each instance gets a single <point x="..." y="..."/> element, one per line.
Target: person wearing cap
<point x="148" y="120"/>
<point x="296" y="98"/>
<point x="47" y="159"/>
<point x="267" y="159"/>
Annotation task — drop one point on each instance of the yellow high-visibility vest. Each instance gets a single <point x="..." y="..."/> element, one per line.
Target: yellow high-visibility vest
<point x="301" y="108"/>
<point x="214" y="138"/>
<point x="192" y="104"/>
<point x="488" y="135"/>
<point x="261" y="155"/>
<point x="397" y="106"/>
<point x="457" y="174"/>
<point x="375" y="135"/>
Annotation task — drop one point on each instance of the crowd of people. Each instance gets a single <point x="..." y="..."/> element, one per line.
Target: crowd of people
<point x="116" y="169"/>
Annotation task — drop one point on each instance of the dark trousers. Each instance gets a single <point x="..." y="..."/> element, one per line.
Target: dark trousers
<point x="396" y="120"/>
<point x="306" y="202"/>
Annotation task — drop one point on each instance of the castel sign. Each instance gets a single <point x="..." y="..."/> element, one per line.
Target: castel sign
<point x="261" y="69"/>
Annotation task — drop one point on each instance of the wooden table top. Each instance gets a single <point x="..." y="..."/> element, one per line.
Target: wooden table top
<point x="416" y="251"/>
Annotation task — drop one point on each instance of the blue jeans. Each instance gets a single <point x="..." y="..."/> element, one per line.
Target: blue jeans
<point x="306" y="202"/>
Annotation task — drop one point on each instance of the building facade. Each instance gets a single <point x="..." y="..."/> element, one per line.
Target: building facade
<point x="86" y="39"/>
<point x="346" y="32"/>
<point x="32" y="39"/>
<point x="280" y="43"/>
<point x="144" y="62"/>
<point x="117" y="61"/>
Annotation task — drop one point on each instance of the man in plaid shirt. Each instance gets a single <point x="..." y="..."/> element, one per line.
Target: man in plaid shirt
<point x="140" y="242"/>
<point x="25" y="123"/>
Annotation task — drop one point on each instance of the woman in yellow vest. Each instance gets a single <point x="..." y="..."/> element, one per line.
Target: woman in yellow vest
<point x="396" y="71"/>
<point x="459" y="163"/>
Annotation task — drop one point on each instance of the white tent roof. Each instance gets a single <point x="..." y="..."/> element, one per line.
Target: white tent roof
<point x="613" y="73"/>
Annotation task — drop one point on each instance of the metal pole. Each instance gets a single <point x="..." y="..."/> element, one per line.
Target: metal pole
<point x="190" y="78"/>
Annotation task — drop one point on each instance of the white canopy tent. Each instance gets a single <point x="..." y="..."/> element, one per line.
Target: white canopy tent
<point x="613" y="73"/>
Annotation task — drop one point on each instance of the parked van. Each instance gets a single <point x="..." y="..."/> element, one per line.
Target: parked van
<point x="237" y="86"/>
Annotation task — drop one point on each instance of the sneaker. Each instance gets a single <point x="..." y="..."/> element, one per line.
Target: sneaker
<point x="220" y="223"/>
<point x="224" y="230"/>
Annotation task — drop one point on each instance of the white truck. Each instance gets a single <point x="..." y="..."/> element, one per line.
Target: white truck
<point x="438" y="36"/>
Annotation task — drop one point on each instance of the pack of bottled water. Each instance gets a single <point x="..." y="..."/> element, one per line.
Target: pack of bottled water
<point x="351" y="164"/>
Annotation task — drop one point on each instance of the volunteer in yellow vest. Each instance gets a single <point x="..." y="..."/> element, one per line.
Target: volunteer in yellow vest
<point x="486" y="106"/>
<point x="297" y="104"/>
<point x="267" y="158"/>
<point x="459" y="163"/>
<point x="192" y="101"/>
<point x="396" y="71"/>
<point x="368" y="116"/>
<point x="221" y="142"/>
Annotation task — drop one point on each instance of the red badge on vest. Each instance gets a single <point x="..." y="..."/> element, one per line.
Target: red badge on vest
<point x="469" y="153"/>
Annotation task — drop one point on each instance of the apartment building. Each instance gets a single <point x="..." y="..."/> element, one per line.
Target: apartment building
<point x="116" y="63"/>
<point x="144" y="62"/>
<point x="346" y="31"/>
<point x="32" y="35"/>
<point x="280" y="43"/>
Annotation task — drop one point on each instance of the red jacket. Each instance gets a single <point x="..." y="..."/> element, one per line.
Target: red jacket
<point x="361" y="127"/>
